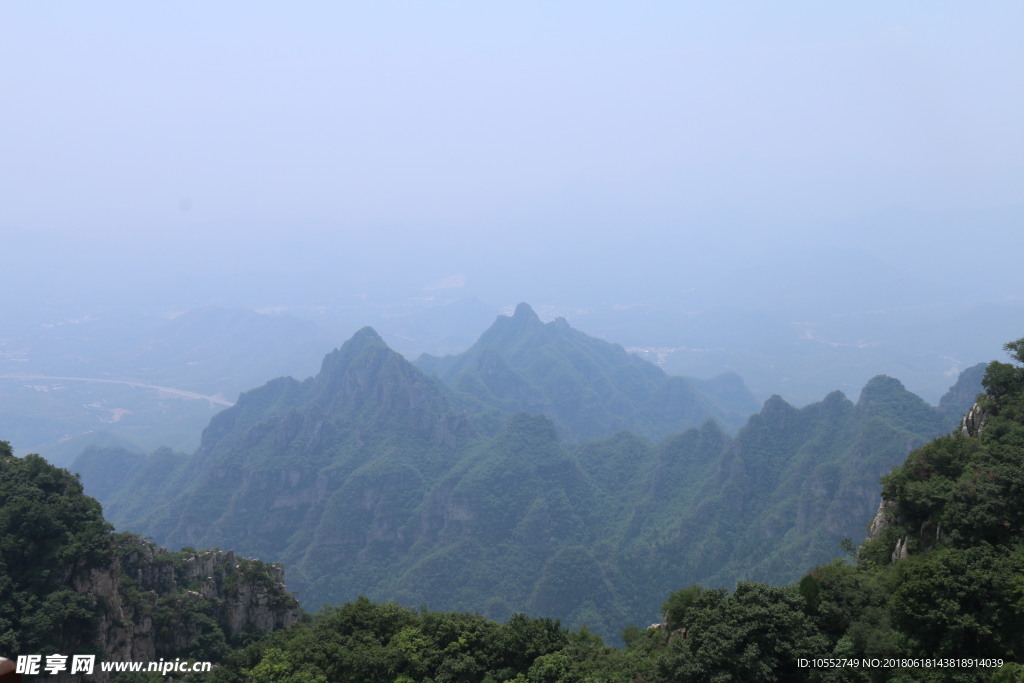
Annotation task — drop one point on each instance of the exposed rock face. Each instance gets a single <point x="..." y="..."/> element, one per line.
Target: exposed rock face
<point x="136" y="589"/>
<point x="974" y="421"/>
<point x="971" y="426"/>
<point x="900" y="552"/>
<point x="883" y="518"/>
<point x="70" y="586"/>
<point x="125" y="628"/>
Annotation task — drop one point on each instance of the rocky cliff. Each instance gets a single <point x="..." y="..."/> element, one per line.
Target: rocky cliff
<point x="68" y="585"/>
<point x="150" y="593"/>
<point x="152" y="604"/>
<point x="888" y="518"/>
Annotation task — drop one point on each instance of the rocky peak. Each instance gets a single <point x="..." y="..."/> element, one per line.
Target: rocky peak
<point x="366" y="342"/>
<point x="776" y="408"/>
<point x="366" y="377"/>
<point x="525" y="314"/>
<point x="507" y="332"/>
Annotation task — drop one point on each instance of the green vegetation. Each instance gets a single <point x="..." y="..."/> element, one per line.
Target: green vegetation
<point x="370" y="479"/>
<point x="940" y="578"/>
<point x="68" y="584"/>
<point x="362" y="641"/>
<point x="956" y="595"/>
<point x="49" y="532"/>
<point x="587" y="387"/>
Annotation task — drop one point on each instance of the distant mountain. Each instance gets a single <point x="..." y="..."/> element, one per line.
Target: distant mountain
<point x="367" y="405"/>
<point x="779" y="497"/>
<point x="588" y="387"/>
<point x="372" y="478"/>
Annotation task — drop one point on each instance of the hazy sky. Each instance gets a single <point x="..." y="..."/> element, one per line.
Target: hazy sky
<point x="251" y="116"/>
<point x="844" y="161"/>
<point x="559" y="153"/>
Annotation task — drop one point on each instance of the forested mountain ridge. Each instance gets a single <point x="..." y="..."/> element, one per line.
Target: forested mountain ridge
<point x="588" y="387"/>
<point x="935" y="595"/>
<point x="288" y="446"/>
<point x="878" y="610"/>
<point x="68" y="584"/>
<point x="374" y="478"/>
<point x="779" y="497"/>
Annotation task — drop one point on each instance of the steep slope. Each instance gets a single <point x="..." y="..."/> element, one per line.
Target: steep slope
<point x="936" y="587"/>
<point x="267" y="467"/>
<point x="766" y="505"/>
<point x="590" y="388"/>
<point x="68" y="584"/>
<point x="943" y="603"/>
<point x="366" y="480"/>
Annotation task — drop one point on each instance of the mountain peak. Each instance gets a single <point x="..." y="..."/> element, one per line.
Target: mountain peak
<point x="367" y="335"/>
<point x="589" y="387"/>
<point x="510" y="330"/>
<point x="880" y="387"/>
<point x="776" y="405"/>
<point x="887" y="397"/>
<point x="524" y="312"/>
<point x="363" y="346"/>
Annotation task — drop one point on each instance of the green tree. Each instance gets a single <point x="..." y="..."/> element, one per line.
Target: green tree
<point x="683" y="604"/>
<point x="280" y="666"/>
<point x="961" y="602"/>
<point x="757" y="633"/>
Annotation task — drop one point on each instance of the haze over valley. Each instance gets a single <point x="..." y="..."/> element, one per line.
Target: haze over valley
<point x="511" y="310"/>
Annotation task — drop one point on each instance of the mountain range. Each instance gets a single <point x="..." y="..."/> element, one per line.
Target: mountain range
<point x="541" y="470"/>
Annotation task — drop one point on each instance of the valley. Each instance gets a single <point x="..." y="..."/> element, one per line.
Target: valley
<point x="475" y="342"/>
